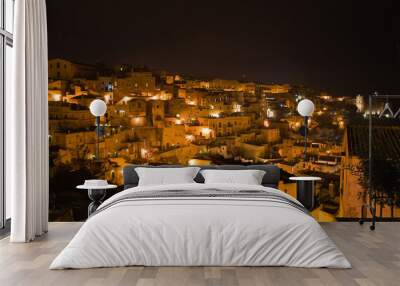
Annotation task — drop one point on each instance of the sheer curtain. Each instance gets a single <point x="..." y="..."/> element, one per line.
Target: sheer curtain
<point x="27" y="123"/>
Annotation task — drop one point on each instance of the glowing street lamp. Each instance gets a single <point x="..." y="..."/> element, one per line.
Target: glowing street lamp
<point x="98" y="108"/>
<point x="305" y="108"/>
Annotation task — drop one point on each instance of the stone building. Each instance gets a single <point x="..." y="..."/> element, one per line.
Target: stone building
<point x="63" y="69"/>
<point x="136" y="82"/>
<point x="227" y="126"/>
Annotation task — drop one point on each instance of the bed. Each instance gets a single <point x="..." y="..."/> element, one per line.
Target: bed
<point x="198" y="224"/>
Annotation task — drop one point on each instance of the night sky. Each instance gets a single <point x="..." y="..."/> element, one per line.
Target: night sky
<point x="344" y="46"/>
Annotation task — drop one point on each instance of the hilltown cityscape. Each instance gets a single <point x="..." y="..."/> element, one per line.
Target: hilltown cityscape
<point x="158" y="117"/>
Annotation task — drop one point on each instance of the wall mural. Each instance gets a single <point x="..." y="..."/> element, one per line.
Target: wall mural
<point x="219" y="82"/>
<point x="158" y="117"/>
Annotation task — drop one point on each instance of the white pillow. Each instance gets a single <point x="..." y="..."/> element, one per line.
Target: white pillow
<point x="166" y="176"/>
<point x="248" y="177"/>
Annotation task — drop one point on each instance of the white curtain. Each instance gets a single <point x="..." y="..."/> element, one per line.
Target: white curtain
<point x="27" y="123"/>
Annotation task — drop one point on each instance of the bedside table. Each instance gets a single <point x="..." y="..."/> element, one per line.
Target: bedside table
<point x="96" y="195"/>
<point x="305" y="190"/>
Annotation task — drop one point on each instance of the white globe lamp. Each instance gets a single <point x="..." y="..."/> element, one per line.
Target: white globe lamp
<point x="306" y="108"/>
<point x="98" y="107"/>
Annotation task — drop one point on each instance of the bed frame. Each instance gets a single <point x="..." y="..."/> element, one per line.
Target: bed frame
<point x="270" y="179"/>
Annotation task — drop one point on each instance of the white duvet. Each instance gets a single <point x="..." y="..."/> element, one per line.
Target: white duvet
<point x="202" y="232"/>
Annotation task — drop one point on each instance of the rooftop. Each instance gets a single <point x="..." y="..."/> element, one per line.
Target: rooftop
<point x="386" y="141"/>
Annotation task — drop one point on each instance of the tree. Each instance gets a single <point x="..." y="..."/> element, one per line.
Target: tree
<point x="385" y="180"/>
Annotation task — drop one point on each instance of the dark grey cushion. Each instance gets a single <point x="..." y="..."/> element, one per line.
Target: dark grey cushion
<point x="270" y="179"/>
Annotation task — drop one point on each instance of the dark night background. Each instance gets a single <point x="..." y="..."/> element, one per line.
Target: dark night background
<point x="345" y="47"/>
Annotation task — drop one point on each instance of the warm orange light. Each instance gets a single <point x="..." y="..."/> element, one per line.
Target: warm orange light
<point x="190" y="137"/>
<point x="270" y="113"/>
<point x="56" y="96"/>
<point x="206" y="132"/>
<point x="107" y="98"/>
<point x="237" y="108"/>
<point x="144" y="152"/>
<point x="137" y="121"/>
<point x="125" y="99"/>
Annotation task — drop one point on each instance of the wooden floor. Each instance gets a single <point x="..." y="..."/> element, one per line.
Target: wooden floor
<point x="375" y="257"/>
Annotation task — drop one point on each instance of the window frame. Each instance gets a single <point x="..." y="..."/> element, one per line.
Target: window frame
<point x="6" y="39"/>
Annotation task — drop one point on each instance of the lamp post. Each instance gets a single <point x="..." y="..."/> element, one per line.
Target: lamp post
<point x="305" y="108"/>
<point x="98" y="108"/>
